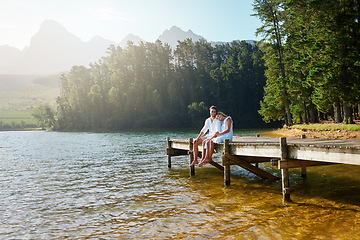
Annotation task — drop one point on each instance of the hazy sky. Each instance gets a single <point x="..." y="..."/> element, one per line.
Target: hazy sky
<point x="215" y="20"/>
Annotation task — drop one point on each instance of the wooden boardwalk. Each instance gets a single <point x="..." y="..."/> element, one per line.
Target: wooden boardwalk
<point x="286" y="153"/>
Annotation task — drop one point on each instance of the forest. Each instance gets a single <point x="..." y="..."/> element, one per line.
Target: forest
<point x="311" y="52"/>
<point x="305" y="69"/>
<point x="151" y="86"/>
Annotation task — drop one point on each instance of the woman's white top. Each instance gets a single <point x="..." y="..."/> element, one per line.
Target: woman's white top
<point x="228" y="135"/>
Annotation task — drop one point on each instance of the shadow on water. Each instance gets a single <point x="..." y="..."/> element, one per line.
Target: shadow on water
<point x="325" y="205"/>
<point x="336" y="183"/>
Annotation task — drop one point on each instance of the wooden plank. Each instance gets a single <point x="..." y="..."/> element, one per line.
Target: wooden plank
<point x="271" y="151"/>
<point x="215" y="164"/>
<point x="294" y="163"/>
<point x="255" y="159"/>
<point x="180" y="145"/>
<point x="246" y="165"/>
<point x="176" y="152"/>
<point x="326" y="154"/>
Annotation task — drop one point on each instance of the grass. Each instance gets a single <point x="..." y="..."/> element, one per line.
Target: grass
<point x="16" y="119"/>
<point x="19" y="94"/>
<point x="327" y="127"/>
<point x="27" y="98"/>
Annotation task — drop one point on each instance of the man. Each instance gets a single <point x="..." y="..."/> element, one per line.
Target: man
<point x="212" y="125"/>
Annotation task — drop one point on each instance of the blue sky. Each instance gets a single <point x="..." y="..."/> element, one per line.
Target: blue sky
<point x="224" y="20"/>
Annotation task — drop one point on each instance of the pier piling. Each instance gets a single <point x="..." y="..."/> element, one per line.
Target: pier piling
<point x="247" y="152"/>
<point x="191" y="157"/>
<point x="226" y="162"/>
<point x="168" y="148"/>
<point x="285" y="180"/>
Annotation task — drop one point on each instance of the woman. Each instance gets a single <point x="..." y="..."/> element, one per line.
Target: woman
<point x="219" y="137"/>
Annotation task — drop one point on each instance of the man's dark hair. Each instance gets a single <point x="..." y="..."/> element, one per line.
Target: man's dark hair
<point x="213" y="107"/>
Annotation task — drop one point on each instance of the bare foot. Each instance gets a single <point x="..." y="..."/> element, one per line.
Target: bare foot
<point x="202" y="162"/>
<point x="202" y="159"/>
<point x="193" y="163"/>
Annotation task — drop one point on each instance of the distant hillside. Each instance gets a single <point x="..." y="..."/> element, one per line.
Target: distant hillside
<point x="28" y="97"/>
<point x="9" y="55"/>
<point x="9" y="81"/>
<point x="53" y="49"/>
<point x="175" y="34"/>
<point x="52" y="81"/>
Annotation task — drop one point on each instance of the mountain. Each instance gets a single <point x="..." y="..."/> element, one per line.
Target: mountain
<point x="9" y="55"/>
<point x="132" y="38"/>
<point x="53" y="49"/>
<point x="175" y="34"/>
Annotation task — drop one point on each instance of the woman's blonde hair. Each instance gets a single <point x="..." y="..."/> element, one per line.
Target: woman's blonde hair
<point x="222" y="114"/>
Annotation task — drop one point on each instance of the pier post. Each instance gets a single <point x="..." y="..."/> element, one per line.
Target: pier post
<point x="226" y="163"/>
<point x="285" y="171"/>
<point x="191" y="156"/>
<point x="303" y="169"/>
<point x="168" y="147"/>
<point x="303" y="172"/>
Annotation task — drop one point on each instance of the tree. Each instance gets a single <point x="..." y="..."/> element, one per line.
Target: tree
<point x="273" y="15"/>
<point x="44" y="116"/>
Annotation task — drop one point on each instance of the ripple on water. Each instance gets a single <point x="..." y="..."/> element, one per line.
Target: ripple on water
<point x="117" y="185"/>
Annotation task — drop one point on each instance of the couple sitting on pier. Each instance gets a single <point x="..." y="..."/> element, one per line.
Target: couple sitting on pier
<point x="220" y="127"/>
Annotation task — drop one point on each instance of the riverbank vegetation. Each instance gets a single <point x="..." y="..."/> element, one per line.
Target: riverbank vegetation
<point x="312" y="58"/>
<point x="153" y="86"/>
<point x="16" y="120"/>
<point x="322" y="130"/>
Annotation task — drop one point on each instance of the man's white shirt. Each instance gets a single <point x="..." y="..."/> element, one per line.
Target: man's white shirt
<point x="213" y="126"/>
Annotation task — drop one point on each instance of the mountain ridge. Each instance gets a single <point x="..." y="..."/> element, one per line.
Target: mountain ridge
<point x="53" y="49"/>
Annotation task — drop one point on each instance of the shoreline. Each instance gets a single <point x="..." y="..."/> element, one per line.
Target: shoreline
<point x="296" y="132"/>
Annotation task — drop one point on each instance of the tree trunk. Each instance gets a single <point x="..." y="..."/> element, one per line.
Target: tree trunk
<point x="320" y="115"/>
<point x="348" y="119"/>
<point x="337" y="112"/>
<point x="285" y="118"/>
<point x="287" y="111"/>
<point x="306" y="117"/>
<point x="313" y="114"/>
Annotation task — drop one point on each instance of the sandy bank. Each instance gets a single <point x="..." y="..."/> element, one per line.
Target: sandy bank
<point x="295" y="132"/>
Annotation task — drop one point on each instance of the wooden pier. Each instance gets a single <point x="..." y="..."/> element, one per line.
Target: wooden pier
<point x="286" y="153"/>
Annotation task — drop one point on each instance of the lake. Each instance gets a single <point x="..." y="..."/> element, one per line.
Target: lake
<point x="68" y="185"/>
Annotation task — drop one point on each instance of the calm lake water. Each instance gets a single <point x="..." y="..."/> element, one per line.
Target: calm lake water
<point x="58" y="185"/>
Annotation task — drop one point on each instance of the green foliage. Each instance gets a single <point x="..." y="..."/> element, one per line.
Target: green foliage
<point x="328" y="127"/>
<point x="152" y="86"/>
<point x="198" y="112"/>
<point x="44" y="116"/>
<point x="312" y="55"/>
